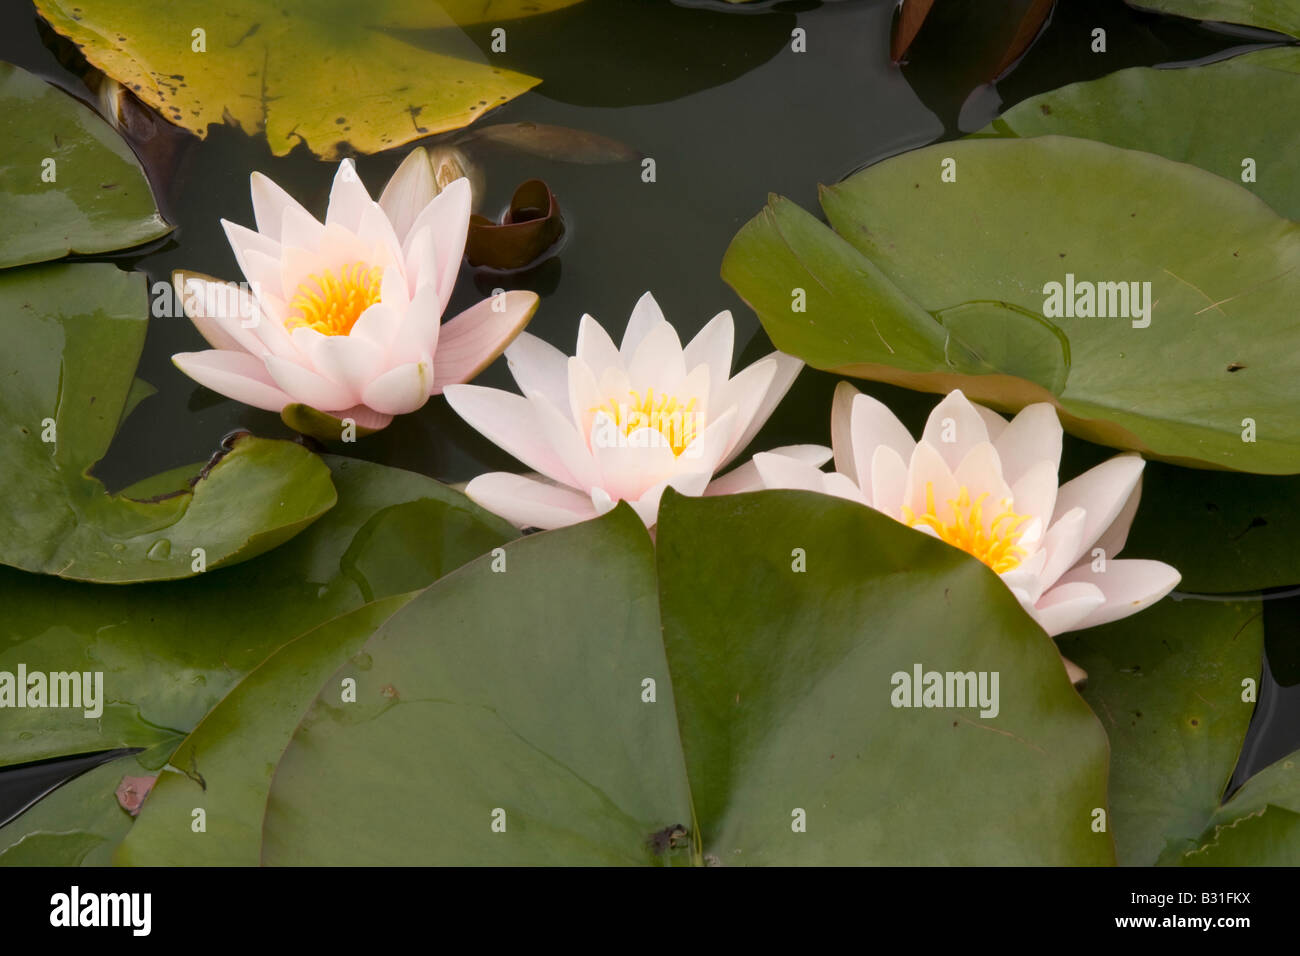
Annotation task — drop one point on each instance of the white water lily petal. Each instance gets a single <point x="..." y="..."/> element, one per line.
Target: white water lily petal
<point x="929" y="479"/>
<point x="745" y="477"/>
<point x="347" y="360"/>
<point x="218" y="310"/>
<point x="308" y="386"/>
<point x="538" y="366"/>
<point x="595" y="348"/>
<point x="842" y="444"/>
<point x="980" y="471"/>
<point x="527" y="503"/>
<point x="712" y="346"/>
<point x="871" y="425"/>
<point x="1066" y="606"/>
<point x="954" y="428"/>
<point x="416" y="337"/>
<point x="399" y="390"/>
<point x="787" y="370"/>
<point x="269" y="204"/>
<point x="1064" y="544"/>
<point x="889" y="473"/>
<point x="566" y="441"/>
<point x="410" y="189"/>
<point x="509" y="421"/>
<point x="348" y="197"/>
<point x="1128" y="584"/>
<point x="657" y="361"/>
<point x="1033" y="436"/>
<point x="646" y="315"/>
<point x="379" y="325"/>
<point x="1114" y="538"/>
<point x="447" y="219"/>
<point x="236" y="375"/>
<point x="472" y="340"/>
<point x="1034" y="491"/>
<point x="1102" y="491"/>
<point x="746" y="393"/>
<point x="778" y="471"/>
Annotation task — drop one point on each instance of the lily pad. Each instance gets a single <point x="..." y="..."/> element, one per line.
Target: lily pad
<point x="1171" y="687"/>
<point x="1280" y="16"/>
<point x="331" y="76"/>
<point x="1224" y="532"/>
<point x="170" y="652"/>
<point x="1216" y="117"/>
<point x="227" y="762"/>
<point x="530" y="704"/>
<point x="74" y="335"/>
<point x="1206" y="383"/>
<point x="69" y="183"/>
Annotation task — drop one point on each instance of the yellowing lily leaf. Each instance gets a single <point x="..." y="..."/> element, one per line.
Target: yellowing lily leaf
<point x="322" y="73"/>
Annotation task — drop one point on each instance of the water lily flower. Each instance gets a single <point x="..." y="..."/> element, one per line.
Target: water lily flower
<point x="345" y="316"/>
<point x="990" y="487"/>
<point x="620" y="423"/>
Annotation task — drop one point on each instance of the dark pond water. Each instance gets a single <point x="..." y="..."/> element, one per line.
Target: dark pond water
<point x="714" y="94"/>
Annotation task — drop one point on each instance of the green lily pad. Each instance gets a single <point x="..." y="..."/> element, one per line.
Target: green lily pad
<point x="169" y="652"/>
<point x="1215" y="117"/>
<point x="227" y="762"/>
<point x="69" y="182"/>
<point x="534" y="691"/>
<point x="1280" y="16"/>
<point x="1207" y="383"/>
<point x="1168" y="685"/>
<point x="1224" y="532"/>
<point x="783" y="681"/>
<point x="329" y="76"/>
<point x="75" y="333"/>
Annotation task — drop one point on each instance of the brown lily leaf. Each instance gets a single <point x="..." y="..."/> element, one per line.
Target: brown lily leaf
<point x="530" y="227"/>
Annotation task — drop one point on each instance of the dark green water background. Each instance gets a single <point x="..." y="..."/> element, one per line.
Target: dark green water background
<point x="715" y="95"/>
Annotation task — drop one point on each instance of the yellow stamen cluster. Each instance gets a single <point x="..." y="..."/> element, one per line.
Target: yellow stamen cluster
<point x="331" y="302"/>
<point x="998" y="546"/>
<point x="678" y="423"/>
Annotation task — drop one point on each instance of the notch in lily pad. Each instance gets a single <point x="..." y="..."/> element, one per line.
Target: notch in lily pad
<point x="530" y="228"/>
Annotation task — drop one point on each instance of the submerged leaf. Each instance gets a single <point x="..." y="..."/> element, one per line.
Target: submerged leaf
<point x="556" y="142"/>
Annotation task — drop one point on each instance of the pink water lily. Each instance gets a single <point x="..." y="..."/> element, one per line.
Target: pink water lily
<point x="345" y="316"/>
<point x="991" y="488"/>
<point x="619" y="423"/>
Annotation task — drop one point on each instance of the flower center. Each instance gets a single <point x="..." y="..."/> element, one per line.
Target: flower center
<point x="678" y="424"/>
<point x="331" y="302"/>
<point x="997" y="546"/>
